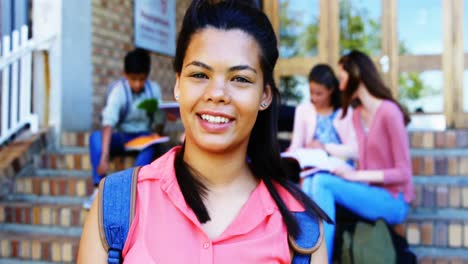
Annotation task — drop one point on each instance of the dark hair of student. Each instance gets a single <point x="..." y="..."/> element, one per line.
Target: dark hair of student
<point x="137" y="61"/>
<point x="360" y="68"/>
<point x="262" y="149"/>
<point x="323" y="74"/>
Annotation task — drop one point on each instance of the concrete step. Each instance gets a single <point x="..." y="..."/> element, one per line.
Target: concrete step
<point x="29" y="246"/>
<point x="42" y="214"/>
<point x="441" y="255"/>
<point x="78" y="159"/>
<point x="441" y="228"/>
<point x="55" y="183"/>
<point x="441" y="191"/>
<point x="453" y="162"/>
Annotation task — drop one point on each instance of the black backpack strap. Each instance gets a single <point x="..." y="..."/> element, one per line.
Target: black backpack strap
<point x="117" y="197"/>
<point x="309" y="239"/>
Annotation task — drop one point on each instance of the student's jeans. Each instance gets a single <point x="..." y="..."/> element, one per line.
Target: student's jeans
<point x="117" y="143"/>
<point x="366" y="201"/>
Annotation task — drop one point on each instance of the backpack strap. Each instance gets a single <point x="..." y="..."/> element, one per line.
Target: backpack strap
<point x="128" y="101"/>
<point x="149" y="88"/>
<point x="117" y="194"/>
<point x="308" y="240"/>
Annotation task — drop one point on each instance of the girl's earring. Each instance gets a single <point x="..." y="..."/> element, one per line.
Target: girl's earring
<point x="263" y="105"/>
<point x="177" y="98"/>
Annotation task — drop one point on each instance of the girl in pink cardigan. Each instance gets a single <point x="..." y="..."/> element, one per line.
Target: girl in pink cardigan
<point x="381" y="187"/>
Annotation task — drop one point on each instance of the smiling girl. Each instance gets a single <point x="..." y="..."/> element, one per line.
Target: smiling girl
<point x="222" y="197"/>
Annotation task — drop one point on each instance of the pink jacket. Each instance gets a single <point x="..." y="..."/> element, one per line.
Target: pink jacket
<point x="305" y="122"/>
<point x="385" y="147"/>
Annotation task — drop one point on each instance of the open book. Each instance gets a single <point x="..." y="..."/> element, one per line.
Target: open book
<point x="143" y="142"/>
<point x="314" y="160"/>
<point x="170" y="108"/>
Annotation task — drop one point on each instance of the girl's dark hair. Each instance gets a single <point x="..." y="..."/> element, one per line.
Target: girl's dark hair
<point x="137" y="61"/>
<point x="360" y="68"/>
<point x="263" y="148"/>
<point x="323" y="74"/>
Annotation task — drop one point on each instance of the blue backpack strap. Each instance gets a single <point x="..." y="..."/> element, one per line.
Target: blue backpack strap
<point x="309" y="238"/>
<point x="149" y="88"/>
<point x="117" y="194"/>
<point x="128" y="101"/>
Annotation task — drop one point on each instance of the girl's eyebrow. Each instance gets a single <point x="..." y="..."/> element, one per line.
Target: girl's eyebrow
<point x="231" y="69"/>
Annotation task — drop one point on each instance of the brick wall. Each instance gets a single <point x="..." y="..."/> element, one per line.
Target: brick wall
<point x="112" y="37"/>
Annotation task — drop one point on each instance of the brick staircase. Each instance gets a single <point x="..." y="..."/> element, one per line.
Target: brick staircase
<point x="41" y="219"/>
<point x="437" y="227"/>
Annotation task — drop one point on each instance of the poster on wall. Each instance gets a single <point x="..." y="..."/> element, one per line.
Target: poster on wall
<point x="155" y="25"/>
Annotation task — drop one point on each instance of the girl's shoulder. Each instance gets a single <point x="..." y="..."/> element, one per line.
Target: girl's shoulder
<point x="389" y="109"/>
<point x="291" y="202"/>
<point x="160" y="169"/>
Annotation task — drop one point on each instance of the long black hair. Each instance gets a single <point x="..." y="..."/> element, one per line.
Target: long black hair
<point x="361" y="69"/>
<point x="262" y="149"/>
<point x="323" y="74"/>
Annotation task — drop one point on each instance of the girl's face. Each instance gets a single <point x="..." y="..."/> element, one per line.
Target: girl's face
<point x="319" y="94"/>
<point x="343" y="76"/>
<point x="221" y="89"/>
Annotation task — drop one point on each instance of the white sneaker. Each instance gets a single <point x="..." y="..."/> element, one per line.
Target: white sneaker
<point x="87" y="204"/>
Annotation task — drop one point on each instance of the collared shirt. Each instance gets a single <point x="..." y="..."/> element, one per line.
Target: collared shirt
<point x="166" y="230"/>
<point x="136" y="119"/>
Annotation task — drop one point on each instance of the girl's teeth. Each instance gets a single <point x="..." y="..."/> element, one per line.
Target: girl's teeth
<point x="215" y="119"/>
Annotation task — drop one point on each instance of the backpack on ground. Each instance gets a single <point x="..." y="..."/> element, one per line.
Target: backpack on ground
<point x="117" y="196"/>
<point x="122" y="83"/>
<point x="350" y="226"/>
<point x="368" y="244"/>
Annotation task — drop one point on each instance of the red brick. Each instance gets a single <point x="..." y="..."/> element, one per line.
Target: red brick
<point x="71" y="187"/>
<point x="426" y="233"/>
<point x="80" y="140"/>
<point x="53" y="161"/>
<point x="18" y="214"/>
<point x="27" y="215"/>
<point x="450" y="139"/>
<point x="36" y="186"/>
<point x="77" y="162"/>
<point x="426" y="260"/>
<point x="417" y="163"/>
<point x="14" y="249"/>
<point x="440" y="139"/>
<point x="62" y="186"/>
<point x="46" y="254"/>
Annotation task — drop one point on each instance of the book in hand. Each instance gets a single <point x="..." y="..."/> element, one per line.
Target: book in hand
<point x="171" y="108"/>
<point x="143" y="142"/>
<point x="314" y="160"/>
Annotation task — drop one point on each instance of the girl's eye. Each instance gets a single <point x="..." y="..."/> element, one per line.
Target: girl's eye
<point x="199" y="76"/>
<point x="241" y="79"/>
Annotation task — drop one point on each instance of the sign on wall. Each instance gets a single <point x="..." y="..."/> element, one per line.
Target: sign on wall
<point x="155" y="25"/>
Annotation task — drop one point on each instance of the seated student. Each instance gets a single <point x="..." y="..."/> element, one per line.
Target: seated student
<point x="318" y="123"/>
<point x="122" y="120"/>
<point x="381" y="187"/>
<point x="222" y="196"/>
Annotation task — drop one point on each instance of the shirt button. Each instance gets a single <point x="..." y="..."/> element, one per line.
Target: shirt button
<point x="206" y="245"/>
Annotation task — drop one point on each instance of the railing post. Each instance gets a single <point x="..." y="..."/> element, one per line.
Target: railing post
<point x="5" y="89"/>
<point x="14" y="83"/>
<point x="25" y="96"/>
